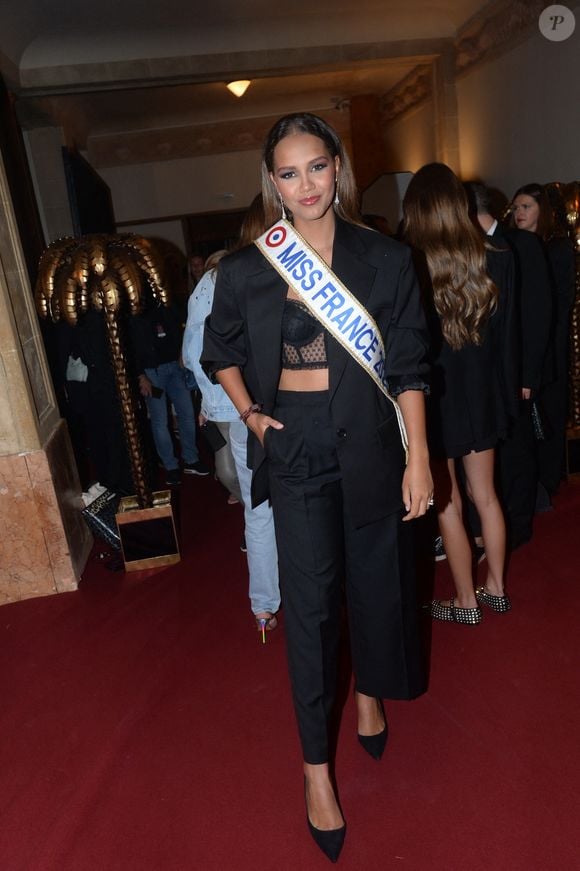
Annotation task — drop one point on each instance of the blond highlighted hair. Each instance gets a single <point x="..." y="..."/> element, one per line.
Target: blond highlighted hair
<point x="436" y="221"/>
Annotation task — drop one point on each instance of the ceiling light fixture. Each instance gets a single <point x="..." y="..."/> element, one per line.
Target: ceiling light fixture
<point x="240" y="87"/>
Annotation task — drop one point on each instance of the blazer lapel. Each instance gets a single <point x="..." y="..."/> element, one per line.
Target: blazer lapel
<point x="358" y="276"/>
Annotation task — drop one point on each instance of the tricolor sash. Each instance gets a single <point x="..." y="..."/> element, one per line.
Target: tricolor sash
<point x="331" y="303"/>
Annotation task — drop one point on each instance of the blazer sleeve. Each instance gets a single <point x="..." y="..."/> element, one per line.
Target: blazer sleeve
<point x="224" y="341"/>
<point x="535" y="298"/>
<point x="507" y="339"/>
<point x="407" y="340"/>
<point x="563" y="273"/>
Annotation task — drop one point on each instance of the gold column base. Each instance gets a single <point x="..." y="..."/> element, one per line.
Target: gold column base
<point x="148" y="536"/>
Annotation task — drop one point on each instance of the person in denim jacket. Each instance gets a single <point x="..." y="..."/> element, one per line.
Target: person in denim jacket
<point x="231" y="467"/>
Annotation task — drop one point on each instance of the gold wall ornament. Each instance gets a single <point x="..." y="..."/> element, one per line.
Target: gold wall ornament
<point x="571" y="200"/>
<point x="575" y="354"/>
<point x="107" y="273"/>
<point x="565" y="200"/>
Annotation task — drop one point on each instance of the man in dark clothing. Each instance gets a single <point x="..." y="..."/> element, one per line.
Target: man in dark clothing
<point x="92" y="405"/>
<point x="517" y="456"/>
<point x="156" y="337"/>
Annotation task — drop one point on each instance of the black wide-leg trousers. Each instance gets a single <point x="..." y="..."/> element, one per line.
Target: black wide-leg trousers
<point x="320" y="553"/>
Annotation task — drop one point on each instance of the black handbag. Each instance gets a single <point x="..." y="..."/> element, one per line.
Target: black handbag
<point x="100" y="518"/>
<point x="214" y="439"/>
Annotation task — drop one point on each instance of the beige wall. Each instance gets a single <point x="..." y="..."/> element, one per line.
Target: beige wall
<point x="518" y="115"/>
<point x="171" y="231"/>
<point x="411" y="141"/>
<point x="182" y="187"/>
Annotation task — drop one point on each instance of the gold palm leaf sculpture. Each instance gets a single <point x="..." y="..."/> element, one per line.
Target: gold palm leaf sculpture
<point x="108" y="273"/>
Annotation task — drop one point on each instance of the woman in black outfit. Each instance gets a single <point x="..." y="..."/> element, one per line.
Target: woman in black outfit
<point x="532" y="212"/>
<point x="468" y="296"/>
<point x="324" y="445"/>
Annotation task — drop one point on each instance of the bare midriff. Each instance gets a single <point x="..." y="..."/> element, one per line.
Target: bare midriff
<point x="302" y="380"/>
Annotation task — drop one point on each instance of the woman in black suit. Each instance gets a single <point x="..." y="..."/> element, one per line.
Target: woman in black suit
<point x="325" y="447"/>
<point x="469" y="300"/>
<point x="532" y="212"/>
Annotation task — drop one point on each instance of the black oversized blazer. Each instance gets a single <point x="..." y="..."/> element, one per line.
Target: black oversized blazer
<point x="533" y="297"/>
<point x="244" y="329"/>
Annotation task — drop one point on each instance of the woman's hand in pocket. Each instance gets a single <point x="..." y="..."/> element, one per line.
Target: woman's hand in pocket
<point x="259" y="423"/>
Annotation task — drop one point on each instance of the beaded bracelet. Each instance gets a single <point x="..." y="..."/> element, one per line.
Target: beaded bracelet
<point x="253" y="409"/>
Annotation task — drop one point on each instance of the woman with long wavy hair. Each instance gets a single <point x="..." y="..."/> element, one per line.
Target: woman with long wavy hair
<point x="468" y="297"/>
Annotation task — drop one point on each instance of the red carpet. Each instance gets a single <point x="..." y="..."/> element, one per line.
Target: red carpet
<point x="144" y="728"/>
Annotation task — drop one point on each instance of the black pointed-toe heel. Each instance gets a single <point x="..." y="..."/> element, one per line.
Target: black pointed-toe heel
<point x="330" y="841"/>
<point x="375" y="744"/>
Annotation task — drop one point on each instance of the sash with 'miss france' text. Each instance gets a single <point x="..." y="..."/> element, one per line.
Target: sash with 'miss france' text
<point x="331" y="303"/>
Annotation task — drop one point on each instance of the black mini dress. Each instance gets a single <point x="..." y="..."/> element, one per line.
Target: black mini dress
<point x="474" y="390"/>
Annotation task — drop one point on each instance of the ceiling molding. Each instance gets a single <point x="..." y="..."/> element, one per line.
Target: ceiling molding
<point x="118" y="75"/>
<point x="411" y="92"/>
<point x="494" y="30"/>
<point x="200" y="140"/>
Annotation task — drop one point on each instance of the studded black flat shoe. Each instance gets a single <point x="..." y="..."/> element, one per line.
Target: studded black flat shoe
<point x="501" y="604"/>
<point x="452" y="614"/>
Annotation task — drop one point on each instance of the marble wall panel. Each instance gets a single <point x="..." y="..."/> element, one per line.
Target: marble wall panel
<point x="26" y="384"/>
<point x="44" y="542"/>
<point x="25" y="568"/>
<point x="67" y="494"/>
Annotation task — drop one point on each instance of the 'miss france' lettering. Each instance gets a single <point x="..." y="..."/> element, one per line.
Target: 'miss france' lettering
<point x="300" y="267"/>
<point x="334" y="306"/>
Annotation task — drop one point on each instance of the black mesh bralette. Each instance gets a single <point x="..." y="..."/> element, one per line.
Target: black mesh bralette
<point x="303" y="338"/>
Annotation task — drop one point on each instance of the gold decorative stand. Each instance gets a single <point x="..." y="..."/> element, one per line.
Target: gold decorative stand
<point x="148" y="536"/>
<point x="112" y="273"/>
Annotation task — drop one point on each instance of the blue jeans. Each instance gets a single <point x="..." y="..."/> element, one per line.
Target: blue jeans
<point x="264" y="589"/>
<point x="171" y="379"/>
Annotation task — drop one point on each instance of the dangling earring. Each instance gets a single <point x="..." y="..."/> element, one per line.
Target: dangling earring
<point x="282" y="207"/>
<point x="336" y="197"/>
